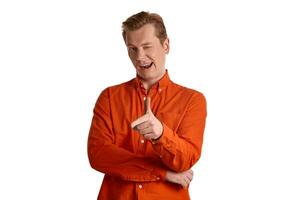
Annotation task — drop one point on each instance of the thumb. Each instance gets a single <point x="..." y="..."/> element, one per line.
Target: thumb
<point x="148" y="105"/>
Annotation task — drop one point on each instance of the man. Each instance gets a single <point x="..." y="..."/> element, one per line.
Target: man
<point x="146" y="133"/>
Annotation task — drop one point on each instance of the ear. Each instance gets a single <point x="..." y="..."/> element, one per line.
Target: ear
<point x="166" y="45"/>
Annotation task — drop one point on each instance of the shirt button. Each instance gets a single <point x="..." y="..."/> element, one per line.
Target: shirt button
<point x="142" y="141"/>
<point x="159" y="89"/>
<point x="160" y="156"/>
<point x="140" y="186"/>
<point x="144" y="98"/>
<point x="157" y="178"/>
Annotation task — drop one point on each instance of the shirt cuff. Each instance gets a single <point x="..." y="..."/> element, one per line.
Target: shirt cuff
<point x="160" y="174"/>
<point x="166" y="141"/>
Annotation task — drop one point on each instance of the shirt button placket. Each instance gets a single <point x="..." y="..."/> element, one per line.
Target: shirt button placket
<point x="139" y="191"/>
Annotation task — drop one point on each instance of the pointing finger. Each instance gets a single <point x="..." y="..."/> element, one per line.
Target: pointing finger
<point x="148" y="105"/>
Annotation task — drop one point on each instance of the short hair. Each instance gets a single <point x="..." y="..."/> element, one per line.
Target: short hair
<point x="140" y="19"/>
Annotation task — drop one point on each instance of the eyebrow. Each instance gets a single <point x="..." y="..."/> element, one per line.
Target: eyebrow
<point x="143" y="44"/>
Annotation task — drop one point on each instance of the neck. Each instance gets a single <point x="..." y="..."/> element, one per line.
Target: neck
<point x="149" y="83"/>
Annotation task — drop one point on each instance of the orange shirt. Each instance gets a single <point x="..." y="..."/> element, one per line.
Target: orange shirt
<point x="134" y="167"/>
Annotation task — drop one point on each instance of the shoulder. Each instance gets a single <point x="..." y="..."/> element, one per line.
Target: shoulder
<point x="188" y="92"/>
<point x="116" y="89"/>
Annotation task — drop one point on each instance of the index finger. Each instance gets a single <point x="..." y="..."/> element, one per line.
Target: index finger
<point x="148" y="105"/>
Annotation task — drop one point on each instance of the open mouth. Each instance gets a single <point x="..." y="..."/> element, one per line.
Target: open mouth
<point x="146" y="66"/>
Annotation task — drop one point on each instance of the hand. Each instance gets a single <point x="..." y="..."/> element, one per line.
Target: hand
<point x="182" y="178"/>
<point x="148" y="125"/>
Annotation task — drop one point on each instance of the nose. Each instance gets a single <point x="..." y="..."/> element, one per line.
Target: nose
<point x="140" y="55"/>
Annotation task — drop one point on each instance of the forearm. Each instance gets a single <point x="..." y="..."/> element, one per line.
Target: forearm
<point x="177" y="153"/>
<point x="115" y="161"/>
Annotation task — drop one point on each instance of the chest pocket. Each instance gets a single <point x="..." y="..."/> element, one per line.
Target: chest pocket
<point x="171" y="119"/>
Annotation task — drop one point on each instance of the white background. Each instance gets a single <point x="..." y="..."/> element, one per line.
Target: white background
<point x="57" y="56"/>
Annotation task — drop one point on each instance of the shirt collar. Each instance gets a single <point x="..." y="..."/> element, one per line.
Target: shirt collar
<point x="161" y="84"/>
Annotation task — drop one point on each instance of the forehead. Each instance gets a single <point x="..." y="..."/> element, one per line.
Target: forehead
<point x="145" y="34"/>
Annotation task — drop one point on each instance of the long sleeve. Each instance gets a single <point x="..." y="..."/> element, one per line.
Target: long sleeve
<point x="106" y="157"/>
<point x="180" y="150"/>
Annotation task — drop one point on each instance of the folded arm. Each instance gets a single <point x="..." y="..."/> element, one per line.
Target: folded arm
<point x="108" y="158"/>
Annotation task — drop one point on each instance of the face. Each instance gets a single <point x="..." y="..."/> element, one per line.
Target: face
<point x="147" y="54"/>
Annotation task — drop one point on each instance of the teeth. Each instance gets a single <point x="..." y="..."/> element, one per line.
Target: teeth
<point x="146" y="65"/>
